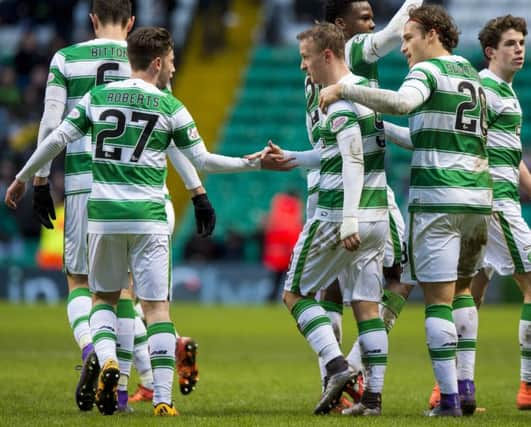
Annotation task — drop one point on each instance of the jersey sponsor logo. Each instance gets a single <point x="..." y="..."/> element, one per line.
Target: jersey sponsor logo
<point x="193" y="133"/>
<point x="338" y="123"/>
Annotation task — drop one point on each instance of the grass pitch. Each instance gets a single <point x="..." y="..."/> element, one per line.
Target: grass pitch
<point x="255" y="370"/>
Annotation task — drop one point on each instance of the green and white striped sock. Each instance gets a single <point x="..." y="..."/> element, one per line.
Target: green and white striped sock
<point x="315" y="325"/>
<point x="125" y="338"/>
<point x="465" y="315"/>
<point x="374" y="348"/>
<point x="390" y="308"/>
<point x="442" y="343"/>
<point x="78" y="308"/>
<point x="525" y="343"/>
<point x="161" y="342"/>
<point x="141" y="354"/>
<point x="334" y="312"/>
<point x="103" y="325"/>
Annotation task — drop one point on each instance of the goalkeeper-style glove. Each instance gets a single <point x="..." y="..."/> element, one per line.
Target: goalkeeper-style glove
<point x="205" y="216"/>
<point x="43" y="207"/>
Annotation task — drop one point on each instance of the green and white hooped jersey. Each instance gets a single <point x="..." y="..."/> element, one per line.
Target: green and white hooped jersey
<point x="311" y="92"/>
<point x="132" y="124"/>
<point x="449" y="168"/>
<point x="504" y="146"/>
<point x="373" y="202"/>
<point x="354" y="58"/>
<point x="359" y="66"/>
<point x="77" y="69"/>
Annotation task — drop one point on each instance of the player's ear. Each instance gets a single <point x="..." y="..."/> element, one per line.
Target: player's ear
<point x="95" y="21"/>
<point x="130" y="23"/>
<point x="340" y="23"/>
<point x="157" y="63"/>
<point x="489" y="51"/>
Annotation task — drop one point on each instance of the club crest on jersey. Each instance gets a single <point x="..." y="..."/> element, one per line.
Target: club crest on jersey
<point x="74" y="114"/>
<point x="338" y="123"/>
<point x="193" y="133"/>
<point x="50" y="77"/>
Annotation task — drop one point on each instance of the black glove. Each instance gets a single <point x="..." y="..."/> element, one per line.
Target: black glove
<point x="43" y="205"/>
<point x="205" y="216"/>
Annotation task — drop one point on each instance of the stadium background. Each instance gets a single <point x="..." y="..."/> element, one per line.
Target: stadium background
<point x="238" y="73"/>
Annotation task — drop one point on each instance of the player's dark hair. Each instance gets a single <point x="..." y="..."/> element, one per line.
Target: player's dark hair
<point x="112" y="11"/>
<point x="147" y="43"/>
<point x="435" y="17"/>
<point x="334" y="9"/>
<point x="326" y="36"/>
<point x="491" y="33"/>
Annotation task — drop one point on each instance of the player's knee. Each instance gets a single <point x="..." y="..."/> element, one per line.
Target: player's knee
<point x="392" y="274"/>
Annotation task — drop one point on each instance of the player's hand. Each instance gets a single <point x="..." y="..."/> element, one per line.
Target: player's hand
<point x="43" y="207"/>
<point x="273" y="158"/>
<point x="205" y="216"/>
<point x="349" y="234"/>
<point x="14" y="193"/>
<point x="270" y="148"/>
<point x="329" y="95"/>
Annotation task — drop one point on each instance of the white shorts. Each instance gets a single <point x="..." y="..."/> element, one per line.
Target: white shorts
<point x="75" y="256"/>
<point x="146" y="256"/>
<point x="509" y="244"/>
<point x="362" y="279"/>
<point x="395" y="246"/>
<point x="443" y="247"/>
<point x="317" y="258"/>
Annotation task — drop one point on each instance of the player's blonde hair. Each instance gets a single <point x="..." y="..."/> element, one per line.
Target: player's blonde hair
<point x="326" y="36"/>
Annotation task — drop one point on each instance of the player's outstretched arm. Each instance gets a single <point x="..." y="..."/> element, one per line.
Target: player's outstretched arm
<point x="187" y="139"/>
<point x="525" y="178"/>
<point x="272" y="157"/>
<point x="45" y="152"/>
<point x="384" y="41"/>
<point x="398" y="135"/>
<point x="71" y="129"/>
<point x="184" y="168"/>
<point x="382" y="100"/>
<point x="351" y="147"/>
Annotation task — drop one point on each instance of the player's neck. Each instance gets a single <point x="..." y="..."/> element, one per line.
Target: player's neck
<point x="336" y="73"/>
<point x="147" y="76"/>
<point x="505" y="75"/>
<point x="112" y="32"/>
<point x="438" y="51"/>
